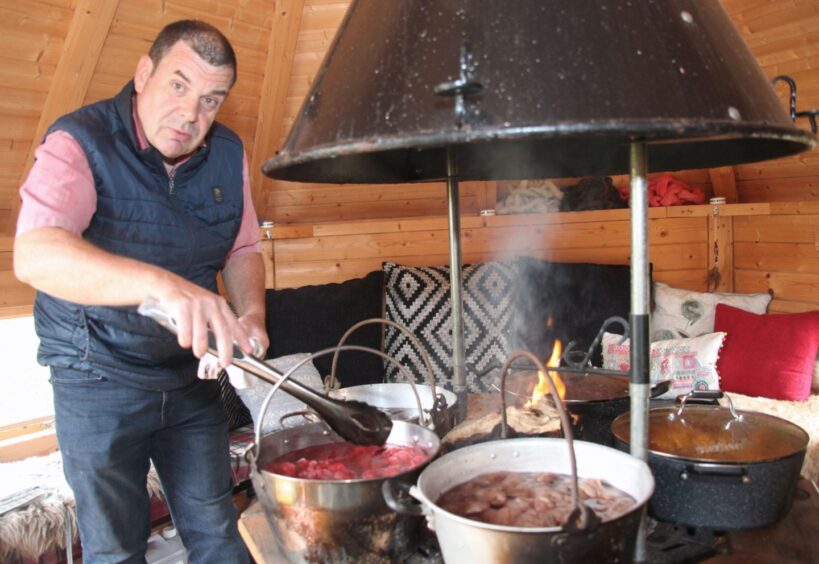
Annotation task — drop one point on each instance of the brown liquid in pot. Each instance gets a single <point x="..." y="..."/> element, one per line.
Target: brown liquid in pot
<point x="531" y="499"/>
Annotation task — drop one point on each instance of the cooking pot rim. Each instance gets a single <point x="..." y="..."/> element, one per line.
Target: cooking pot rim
<point x="422" y="434"/>
<point x="429" y="505"/>
<point x="620" y="428"/>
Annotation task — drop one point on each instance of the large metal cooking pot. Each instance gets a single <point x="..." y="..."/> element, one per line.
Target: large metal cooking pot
<point x="475" y="542"/>
<point x="335" y="520"/>
<point x="585" y="540"/>
<point x="399" y="402"/>
<point x="719" y="468"/>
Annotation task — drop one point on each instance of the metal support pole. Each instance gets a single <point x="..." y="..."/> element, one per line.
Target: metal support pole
<point x="639" y="388"/>
<point x="455" y="285"/>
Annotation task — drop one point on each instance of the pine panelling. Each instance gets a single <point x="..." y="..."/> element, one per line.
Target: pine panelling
<point x="33" y="76"/>
<point x="270" y="124"/>
<point x="779" y="254"/>
<point x="784" y="37"/>
<point x="788" y="257"/>
<point x="333" y="252"/>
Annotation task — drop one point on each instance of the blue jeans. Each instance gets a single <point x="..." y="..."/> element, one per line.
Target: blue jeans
<point x="108" y="433"/>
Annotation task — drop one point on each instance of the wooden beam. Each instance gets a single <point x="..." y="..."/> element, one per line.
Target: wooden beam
<point x="723" y="179"/>
<point x="720" y="252"/>
<point x="280" y="53"/>
<point x="81" y="50"/>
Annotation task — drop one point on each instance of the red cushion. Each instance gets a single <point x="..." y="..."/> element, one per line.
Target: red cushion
<point x="767" y="355"/>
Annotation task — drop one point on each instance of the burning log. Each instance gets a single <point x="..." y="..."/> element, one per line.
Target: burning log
<point x="540" y="419"/>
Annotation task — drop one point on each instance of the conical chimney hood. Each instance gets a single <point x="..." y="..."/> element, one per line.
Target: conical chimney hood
<point x="526" y="89"/>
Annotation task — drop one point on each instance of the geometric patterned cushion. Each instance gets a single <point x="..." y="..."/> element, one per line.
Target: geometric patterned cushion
<point x="236" y="411"/>
<point x="418" y="298"/>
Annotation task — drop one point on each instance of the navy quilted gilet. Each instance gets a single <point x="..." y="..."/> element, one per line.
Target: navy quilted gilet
<point x="185" y="223"/>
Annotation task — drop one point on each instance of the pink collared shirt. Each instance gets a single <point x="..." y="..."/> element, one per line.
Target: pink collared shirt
<point x="60" y="192"/>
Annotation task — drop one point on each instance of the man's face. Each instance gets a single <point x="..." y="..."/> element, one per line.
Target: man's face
<point x="177" y="99"/>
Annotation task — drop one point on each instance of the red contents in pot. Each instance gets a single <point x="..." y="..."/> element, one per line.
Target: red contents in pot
<point x="346" y="461"/>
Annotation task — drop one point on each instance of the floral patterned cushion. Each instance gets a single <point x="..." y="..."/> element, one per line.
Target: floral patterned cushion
<point x="682" y="313"/>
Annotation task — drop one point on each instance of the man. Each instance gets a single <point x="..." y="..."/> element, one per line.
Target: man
<point x="145" y="196"/>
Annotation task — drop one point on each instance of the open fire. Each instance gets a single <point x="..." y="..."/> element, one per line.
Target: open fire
<point x="542" y="387"/>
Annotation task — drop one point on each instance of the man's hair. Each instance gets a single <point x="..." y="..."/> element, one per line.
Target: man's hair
<point x="205" y="40"/>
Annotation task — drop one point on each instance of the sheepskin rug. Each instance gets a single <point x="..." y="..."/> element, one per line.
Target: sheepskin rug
<point x="802" y="413"/>
<point x="40" y="526"/>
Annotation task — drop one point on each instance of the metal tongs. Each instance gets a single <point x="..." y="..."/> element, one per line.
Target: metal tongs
<point x="354" y="421"/>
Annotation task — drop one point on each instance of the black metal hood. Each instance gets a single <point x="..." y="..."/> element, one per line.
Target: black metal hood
<point x="532" y="89"/>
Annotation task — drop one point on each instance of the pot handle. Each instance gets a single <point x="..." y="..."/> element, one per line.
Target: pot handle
<point x="716" y="473"/>
<point x="397" y="496"/>
<point x="422" y="352"/>
<point x="582" y="517"/>
<point x="695" y="395"/>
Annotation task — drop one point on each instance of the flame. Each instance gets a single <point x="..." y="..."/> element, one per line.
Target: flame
<point x="542" y="386"/>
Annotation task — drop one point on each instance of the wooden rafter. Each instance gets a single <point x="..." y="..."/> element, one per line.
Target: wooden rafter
<point x="83" y="45"/>
<point x="280" y="53"/>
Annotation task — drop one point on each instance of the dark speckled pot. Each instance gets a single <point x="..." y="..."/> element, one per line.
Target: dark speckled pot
<point x="722" y="496"/>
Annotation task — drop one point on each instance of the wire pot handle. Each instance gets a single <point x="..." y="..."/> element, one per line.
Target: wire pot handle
<point x="413" y="339"/>
<point x="582" y="517"/>
<point x="263" y="411"/>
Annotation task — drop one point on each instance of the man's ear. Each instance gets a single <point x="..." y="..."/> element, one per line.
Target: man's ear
<point x="144" y="69"/>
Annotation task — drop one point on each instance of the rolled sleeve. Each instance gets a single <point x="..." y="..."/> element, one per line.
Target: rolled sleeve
<point x="248" y="240"/>
<point x="59" y="190"/>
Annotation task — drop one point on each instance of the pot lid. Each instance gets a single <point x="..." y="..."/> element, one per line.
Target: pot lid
<point x="513" y="90"/>
<point x="707" y="433"/>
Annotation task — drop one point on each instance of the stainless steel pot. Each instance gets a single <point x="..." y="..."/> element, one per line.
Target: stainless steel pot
<point x="717" y="467"/>
<point x="579" y="540"/>
<point x="399" y="402"/>
<point x="335" y="520"/>
<point x="475" y="542"/>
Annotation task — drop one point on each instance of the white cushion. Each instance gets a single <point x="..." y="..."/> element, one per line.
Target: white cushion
<point x="690" y="364"/>
<point x="253" y="396"/>
<point x="682" y="313"/>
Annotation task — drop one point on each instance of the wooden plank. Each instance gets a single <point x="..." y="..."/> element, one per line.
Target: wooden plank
<point x="801" y="287"/>
<point x="83" y="44"/>
<point x="789" y="306"/>
<point x="720" y="252"/>
<point x="690" y="279"/>
<point x="779" y="189"/>
<point x="724" y="183"/>
<point x="361" y="210"/>
<point x="776" y="229"/>
<point x="280" y="52"/>
<point x="789" y="257"/>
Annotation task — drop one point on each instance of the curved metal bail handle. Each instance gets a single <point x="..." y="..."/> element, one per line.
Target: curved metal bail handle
<point x="302" y="362"/>
<point x="308" y="358"/>
<point x="422" y="352"/>
<point x="582" y="515"/>
<point x="584" y="362"/>
<point x="810" y="114"/>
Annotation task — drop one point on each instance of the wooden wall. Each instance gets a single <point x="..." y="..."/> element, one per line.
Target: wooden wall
<point x="56" y="55"/>
<point x="747" y="248"/>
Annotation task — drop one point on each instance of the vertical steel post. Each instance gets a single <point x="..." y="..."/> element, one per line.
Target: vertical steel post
<point x="639" y="387"/>
<point x="455" y="284"/>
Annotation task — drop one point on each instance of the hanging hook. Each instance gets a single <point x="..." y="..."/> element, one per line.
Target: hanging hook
<point x="810" y="114"/>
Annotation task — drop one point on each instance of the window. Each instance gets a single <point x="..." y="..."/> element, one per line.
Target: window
<point x="26" y="391"/>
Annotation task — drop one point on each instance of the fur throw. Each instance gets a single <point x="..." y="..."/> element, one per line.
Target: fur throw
<point x="531" y="196"/>
<point x="802" y="413"/>
<point x="40" y="526"/>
